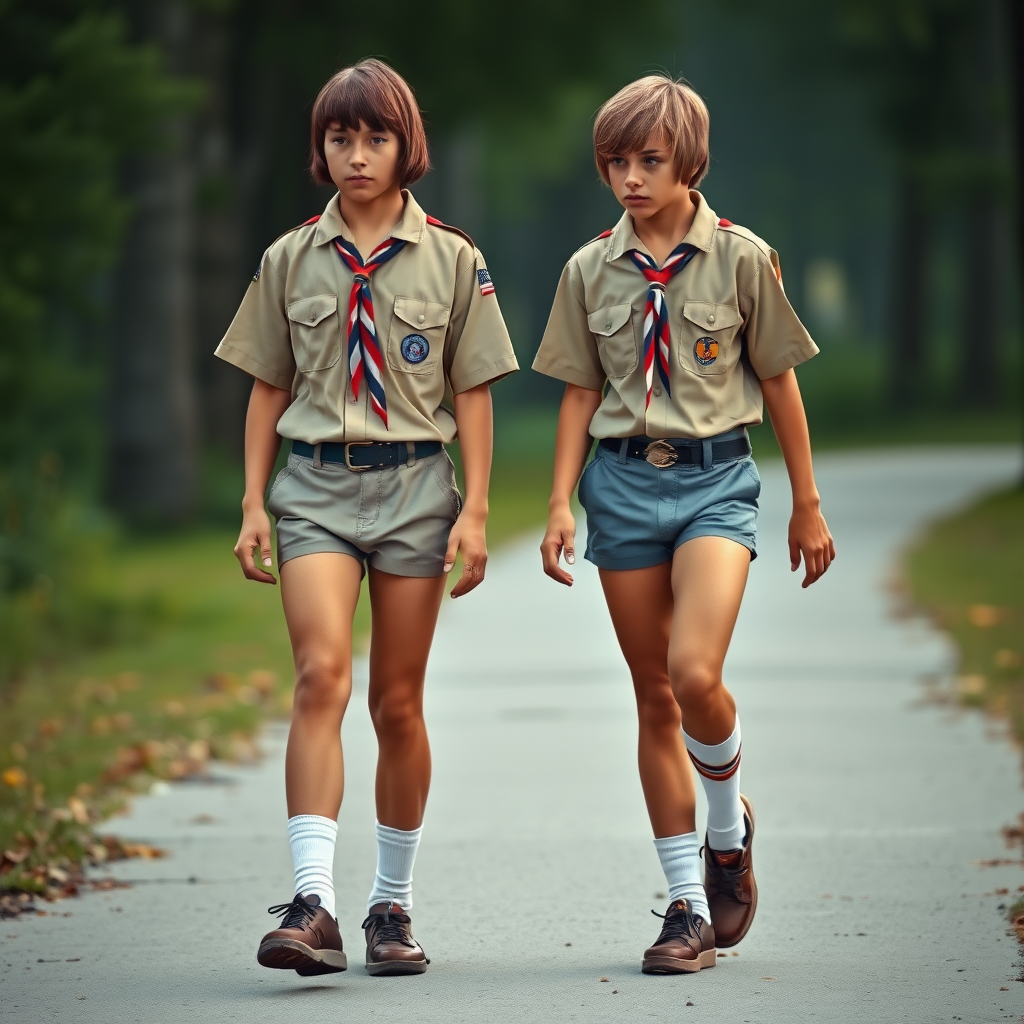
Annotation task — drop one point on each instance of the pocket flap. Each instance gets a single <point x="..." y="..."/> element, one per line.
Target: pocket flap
<point x="421" y="312"/>
<point x="312" y="310"/>
<point x="711" y="316"/>
<point x="610" y="319"/>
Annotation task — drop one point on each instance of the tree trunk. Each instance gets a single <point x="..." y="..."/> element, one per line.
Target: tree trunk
<point x="906" y="365"/>
<point x="1016" y="44"/>
<point x="153" y="443"/>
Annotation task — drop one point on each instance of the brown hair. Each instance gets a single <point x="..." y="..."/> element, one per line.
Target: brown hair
<point x="372" y="92"/>
<point x="645" y="107"/>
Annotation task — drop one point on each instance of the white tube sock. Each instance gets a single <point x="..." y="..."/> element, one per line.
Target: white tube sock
<point x="719" y="769"/>
<point x="312" y="840"/>
<point x="396" y="852"/>
<point x="680" y="860"/>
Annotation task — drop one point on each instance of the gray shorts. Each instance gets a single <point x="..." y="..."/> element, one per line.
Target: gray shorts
<point x="397" y="519"/>
<point x="637" y="514"/>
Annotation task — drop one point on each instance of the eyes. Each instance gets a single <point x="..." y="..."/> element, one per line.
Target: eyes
<point x="648" y="161"/>
<point x="373" y="140"/>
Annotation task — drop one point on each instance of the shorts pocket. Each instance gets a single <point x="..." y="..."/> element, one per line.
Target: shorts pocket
<point x="315" y="332"/>
<point x="439" y="469"/>
<point x="708" y="337"/>
<point x="416" y="338"/>
<point x="750" y="468"/>
<point x="612" y="327"/>
<point x="281" y="477"/>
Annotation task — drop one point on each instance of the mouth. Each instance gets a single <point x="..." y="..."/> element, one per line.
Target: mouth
<point x="358" y="179"/>
<point x="635" y="198"/>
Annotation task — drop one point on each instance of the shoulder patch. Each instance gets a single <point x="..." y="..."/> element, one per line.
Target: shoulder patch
<point x="434" y="222"/>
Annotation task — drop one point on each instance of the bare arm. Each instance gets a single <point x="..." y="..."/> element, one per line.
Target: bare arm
<point x="474" y="418"/>
<point x="808" y="532"/>
<point x="262" y="442"/>
<point x="572" y="443"/>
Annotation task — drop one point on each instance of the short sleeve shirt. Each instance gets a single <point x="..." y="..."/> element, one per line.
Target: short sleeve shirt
<point x="727" y="307"/>
<point x="436" y="315"/>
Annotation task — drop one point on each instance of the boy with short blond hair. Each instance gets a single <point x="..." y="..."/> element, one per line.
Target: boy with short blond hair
<point x="672" y="331"/>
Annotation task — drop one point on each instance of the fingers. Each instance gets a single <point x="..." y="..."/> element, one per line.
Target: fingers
<point x="449" y="555"/>
<point x="816" y="561"/>
<point x="794" y="554"/>
<point x="244" y="553"/>
<point x="551" y="548"/>
<point x="472" y="575"/>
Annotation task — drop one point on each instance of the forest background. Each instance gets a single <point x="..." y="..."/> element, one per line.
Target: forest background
<point x="151" y="149"/>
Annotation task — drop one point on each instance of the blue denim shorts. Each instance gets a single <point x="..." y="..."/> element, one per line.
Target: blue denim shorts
<point x="638" y="514"/>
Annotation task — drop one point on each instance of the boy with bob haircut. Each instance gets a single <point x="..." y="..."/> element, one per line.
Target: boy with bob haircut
<point x="672" y="331"/>
<point x="373" y="334"/>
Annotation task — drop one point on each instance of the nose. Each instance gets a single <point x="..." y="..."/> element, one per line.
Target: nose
<point x="633" y="178"/>
<point x="357" y="158"/>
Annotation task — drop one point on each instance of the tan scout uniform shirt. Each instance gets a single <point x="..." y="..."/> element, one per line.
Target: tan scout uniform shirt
<point x="292" y="332"/>
<point x="728" y="295"/>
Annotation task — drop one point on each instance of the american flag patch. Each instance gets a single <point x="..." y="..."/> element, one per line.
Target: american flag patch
<point x="483" y="278"/>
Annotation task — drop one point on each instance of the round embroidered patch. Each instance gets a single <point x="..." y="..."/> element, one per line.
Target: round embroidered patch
<point x="705" y="351"/>
<point x="415" y="348"/>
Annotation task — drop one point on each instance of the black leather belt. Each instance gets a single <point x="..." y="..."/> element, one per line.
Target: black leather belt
<point x="665" y="452"/>
<point x="360" y="456"/>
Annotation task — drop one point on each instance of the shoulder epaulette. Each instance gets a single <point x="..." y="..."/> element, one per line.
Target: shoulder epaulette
<point x="723" y="223"/>
<point x="304" y="224"/>
<point x="450" y="227"/>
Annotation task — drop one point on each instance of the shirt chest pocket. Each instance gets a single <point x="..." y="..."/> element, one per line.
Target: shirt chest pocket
<point x="612" y="327"/>
<point x="708" y="340"/>
<point x="315" y="331"/>
<point x="416" y="339"/>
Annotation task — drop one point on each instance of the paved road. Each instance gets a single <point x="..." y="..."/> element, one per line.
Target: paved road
<point x="537" y="869"/>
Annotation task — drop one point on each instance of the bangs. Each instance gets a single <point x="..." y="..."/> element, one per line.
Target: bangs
<point x="349" y="98"/>
<point x="376" y="95"/>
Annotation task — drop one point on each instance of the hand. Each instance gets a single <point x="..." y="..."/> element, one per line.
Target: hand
<point x="468" y="536"/>
<point x="559" y="539"/>
<point x="809" y="536"/>
<point x="255" y="534"/>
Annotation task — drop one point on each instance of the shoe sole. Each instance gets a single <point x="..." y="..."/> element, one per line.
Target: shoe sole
<point x="736" y="939"/>
<point x="292" y="955"/>
<point x="382" y="968"/>
<point x="674" y="965"/>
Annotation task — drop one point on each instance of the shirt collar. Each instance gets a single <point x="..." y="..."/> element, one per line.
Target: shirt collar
<point x="701" y="234"/>
<point x="410" y="227"/>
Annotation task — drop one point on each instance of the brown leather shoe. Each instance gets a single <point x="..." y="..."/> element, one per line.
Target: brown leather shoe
<point x="686" y="943"/>
<point x="729" y="883"/>
<point x="390" y="947"/>
<point x="308" y="940"/>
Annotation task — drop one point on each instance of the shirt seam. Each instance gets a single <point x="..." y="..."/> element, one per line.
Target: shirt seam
<point x="504" y="365"/>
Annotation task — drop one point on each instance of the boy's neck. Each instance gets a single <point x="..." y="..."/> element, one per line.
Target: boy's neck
<point x="664" y="230"/>
<point x="372" y="222"/>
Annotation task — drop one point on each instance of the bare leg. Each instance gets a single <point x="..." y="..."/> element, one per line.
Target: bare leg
<point x="404" y="616"/>
<point x="319" y="593"/>
<point x="640" y="602"/>
<point x="708" y="578"/>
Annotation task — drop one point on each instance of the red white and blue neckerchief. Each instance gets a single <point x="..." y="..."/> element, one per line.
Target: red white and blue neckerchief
<point x="364" y="354"/>
<point x="656" y="326"/>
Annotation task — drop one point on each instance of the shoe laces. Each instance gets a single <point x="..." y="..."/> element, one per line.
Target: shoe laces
<point x="679" y="924"/>
<point x="295" y="914"/>
<point x="391" y="926"/>
<point x="729" y="878"/>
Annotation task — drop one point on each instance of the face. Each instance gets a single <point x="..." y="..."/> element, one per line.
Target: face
<point x="645" y="183"/>
<point x="363" y="163"/>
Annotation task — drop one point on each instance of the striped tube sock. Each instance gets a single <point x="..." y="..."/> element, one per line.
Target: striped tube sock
<point x="719" y="770"/>
<point x="312" y="840"/>
<point x="396" y="852"/>
<point x="680" y="860"/>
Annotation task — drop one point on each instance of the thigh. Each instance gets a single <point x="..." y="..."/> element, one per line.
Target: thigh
<point x="640" y="604"/>
<point x="404" y="611"/>
<point x="319" y="593"/>
<point x="709" y="575"/>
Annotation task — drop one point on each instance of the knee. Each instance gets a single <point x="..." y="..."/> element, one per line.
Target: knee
<point x="656" y="705"/>
<point x="322" y="685"/>
<point x="696" y="685"/>
<point x="396" y="715"/>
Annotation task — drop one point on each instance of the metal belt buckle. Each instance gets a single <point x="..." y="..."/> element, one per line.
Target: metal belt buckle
<point x="661" y="454"/>
<point x="348" y="455"/>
